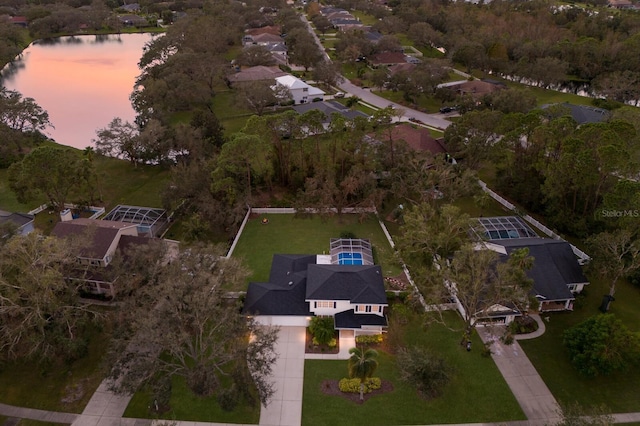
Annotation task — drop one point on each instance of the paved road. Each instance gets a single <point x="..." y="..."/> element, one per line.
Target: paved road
<point x="437" y="121"/>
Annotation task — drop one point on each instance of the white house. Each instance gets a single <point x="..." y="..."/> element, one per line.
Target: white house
<point x="300" y="91"/>
<point x="302" y="286"/>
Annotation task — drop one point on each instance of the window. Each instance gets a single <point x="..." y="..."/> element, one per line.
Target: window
<point x="325" y="304"/>
<point x="305" y="89"/>
<point x="363" y="308"/>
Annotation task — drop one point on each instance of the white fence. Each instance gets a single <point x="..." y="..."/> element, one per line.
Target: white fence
<point x="584" y="258"/>
<point x="98" y="211"/>
<point x="39" y="209"/>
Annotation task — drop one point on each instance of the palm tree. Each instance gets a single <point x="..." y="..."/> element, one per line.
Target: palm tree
<point x="362" y="364"/>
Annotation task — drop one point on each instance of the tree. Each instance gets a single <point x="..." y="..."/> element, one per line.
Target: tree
<point x="478" y="281"/>
<point x="321" y="23"/>
<point x="322" y="329"/>
<point x="120" y="139"/>
<point x="601" y="345"/>
<point x="177" y="323"/>
<point x="257" y="95"/>
<point x="252" y="56"/>
<point x="22" y="114"/>
<point x="55" y="173"/>
<point x="424" y="370"/>
<point x="41" y="316"/>
<point x="615" y="255"/>
<point x="362" y="365"/>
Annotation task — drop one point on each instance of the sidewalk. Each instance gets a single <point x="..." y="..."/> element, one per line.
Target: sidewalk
<point x="533" y="395"/>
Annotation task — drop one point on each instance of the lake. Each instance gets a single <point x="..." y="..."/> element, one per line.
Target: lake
<point x="83" y="82"/>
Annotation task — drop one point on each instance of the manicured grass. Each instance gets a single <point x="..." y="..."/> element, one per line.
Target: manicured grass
<point x="26" y="384"/>
<point x="185" y="405"/>
<point x="364" y="17"/>
<point x="477" y="392"/>
<point x="619" y="392"/>
<point x="289" y="234"/>
<point x="425" y="103"/>
<point x="470" y="206"/>
<point x="122" y="183"/>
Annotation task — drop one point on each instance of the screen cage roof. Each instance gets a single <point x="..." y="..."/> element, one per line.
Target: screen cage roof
<point x="504" y="228"/>
<point x="349" y="245"/>
<point x="150" y="221"/>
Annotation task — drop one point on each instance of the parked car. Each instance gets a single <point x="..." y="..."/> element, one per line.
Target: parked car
<point x="339" y="95"/>
<point x="447" y="109"/>
<point x="415" y="120"/>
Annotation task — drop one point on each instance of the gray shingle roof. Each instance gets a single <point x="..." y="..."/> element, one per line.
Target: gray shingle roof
<point x="555" y="266"/>
<point x="358" y="284"/>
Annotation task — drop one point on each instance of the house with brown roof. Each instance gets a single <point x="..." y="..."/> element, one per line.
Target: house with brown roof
<point x="418" y="139"/>
<point x="477" y="88"/>
<point x="269" y="29"/>
<point x="387" y="59"/>
<point x="401" y="68"/>
<point x="257" y="73"/>
<point x="263" y="39"/>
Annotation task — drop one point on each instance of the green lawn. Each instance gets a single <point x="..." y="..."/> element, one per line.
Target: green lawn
<point x="286" y="233"/>
<point x="619" y="392"/>
<point x="26" y="384"/>
<point x="477" y="392"/>
<point x="187" y="406"/>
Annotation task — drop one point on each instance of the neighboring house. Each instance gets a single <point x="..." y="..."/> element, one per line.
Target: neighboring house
<point x="132" y="7"/>
<point x="133" y="21"/>
<point x="557" y="276"/>
<point x="299" y="91"/>
<point x="372" y="35"/>
<point x="329" y="108"/>
<point x="401" y="68"/>
<point x="261" y="39"/>
<point x="257" y="73"/>
<point x="418" y="139"/>
<point x="476" y="88"/>
<point x="301" y="286"/>
<point x="22" y="221"/>
<point x="621" y="4"/>
<point x="20" y="21"/>
<point x="270" y="29"/>
<point x="387" y="59"/>
<point x="583" y="114"/>
<point x="123" y="227"/>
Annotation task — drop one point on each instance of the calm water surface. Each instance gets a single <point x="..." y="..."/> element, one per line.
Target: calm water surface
<point x="83" y="82"/>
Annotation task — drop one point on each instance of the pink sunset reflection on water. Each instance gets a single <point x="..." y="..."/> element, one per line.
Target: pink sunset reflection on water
<point x="83" y="82"/>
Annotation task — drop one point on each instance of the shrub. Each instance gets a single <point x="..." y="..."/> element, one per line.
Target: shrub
<point x="369" y="339"/>
<point x="322" y="330"/>
<point x="228" y="398"/>
<point x="601" y="345"/>
<point x="523" y="325"/>
<point x="353" y="385"/>
<point x="348" y="235"/>
<point x="424" y="370"/>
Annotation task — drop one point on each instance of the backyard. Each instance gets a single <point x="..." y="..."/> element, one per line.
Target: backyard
<point x="290" y="234"/>
<point x="477" y="390"/>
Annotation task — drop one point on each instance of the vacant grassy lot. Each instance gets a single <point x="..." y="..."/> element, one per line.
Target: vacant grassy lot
<point x="26" y="383"/>
<point x="476" y="394"/>
<point x="185" y="405"/>
<point x="287" y="233"/>
<point x="619" y="392"/>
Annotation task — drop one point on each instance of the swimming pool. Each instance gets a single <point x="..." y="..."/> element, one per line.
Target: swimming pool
<point x="350" y="258"/>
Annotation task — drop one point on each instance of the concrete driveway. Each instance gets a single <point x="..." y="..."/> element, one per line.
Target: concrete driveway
<point x="285" y="408"/>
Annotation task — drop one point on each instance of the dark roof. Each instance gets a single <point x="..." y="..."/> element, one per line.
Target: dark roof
<point x="296" y="278"/>
<point x="418" y="139"/>
<point x="329" y="108"/>
<point x="350" y="320"/>
<point x="19" y="219"/>
<point x="584" y="114"/>
<point x="358" y="284"/>
<point x="285" y="291"/>
<point x="554" y="267"/>
<point x="103" y="233"/>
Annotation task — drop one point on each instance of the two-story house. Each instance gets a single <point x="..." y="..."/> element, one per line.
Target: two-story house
<point x="301" y="286"/>
<point x="299" y="91"/>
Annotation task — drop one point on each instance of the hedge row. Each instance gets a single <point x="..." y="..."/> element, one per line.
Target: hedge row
<point x="369" y="339"/>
